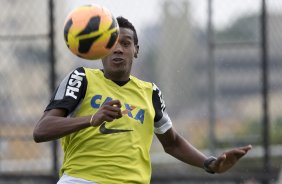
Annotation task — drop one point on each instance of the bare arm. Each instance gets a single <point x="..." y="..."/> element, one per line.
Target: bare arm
<point x="178" y="147"/>
<point x="53" y="124"/>
<point x="181" y="149"/>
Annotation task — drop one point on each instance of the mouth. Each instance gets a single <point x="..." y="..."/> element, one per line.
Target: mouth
<point x="117" y="60"/>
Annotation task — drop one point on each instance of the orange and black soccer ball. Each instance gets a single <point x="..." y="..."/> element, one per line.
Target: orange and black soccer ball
<point x="91" y="31"/>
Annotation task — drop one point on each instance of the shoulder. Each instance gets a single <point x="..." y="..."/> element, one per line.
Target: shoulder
<point x="88" y="70"/>
<point x="92" y="72"/>
<point x="77" y="74"/>
<point x="80" y="69"/>
<point x="141" y="83"/>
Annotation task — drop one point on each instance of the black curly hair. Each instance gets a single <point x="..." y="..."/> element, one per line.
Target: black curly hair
<point x="124" y="23"/>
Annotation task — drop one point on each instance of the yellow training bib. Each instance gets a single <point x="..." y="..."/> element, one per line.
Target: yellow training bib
<point x="117" y="151"/>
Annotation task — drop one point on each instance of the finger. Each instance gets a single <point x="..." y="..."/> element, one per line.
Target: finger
<point x="114" y="103"/>
<point x="108" y="119"/>
<point x="236" y="153"/>
<point x="221" y="158"/>
<point x="247" y="148"/>
<point x="112" y="109"/>
<point x="119" y="114"/>
<point x="218" y="162"/>
<point x="112" y="114"/>
<point x="244" y="150"/>
<point x="111" y="117"/>
<point x="239" y="154"/>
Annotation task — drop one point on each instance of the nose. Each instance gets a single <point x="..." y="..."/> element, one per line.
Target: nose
<point x="118" y="48"/>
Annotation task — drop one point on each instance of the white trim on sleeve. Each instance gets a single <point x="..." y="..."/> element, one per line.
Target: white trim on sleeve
<point x="163" y="125"/>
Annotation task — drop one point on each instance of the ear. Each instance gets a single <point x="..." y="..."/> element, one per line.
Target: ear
<point x="136" y="51"/>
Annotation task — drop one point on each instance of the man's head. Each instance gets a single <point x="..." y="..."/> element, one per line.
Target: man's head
<point x="124" y="23"/>
<point x="117" y="65"/>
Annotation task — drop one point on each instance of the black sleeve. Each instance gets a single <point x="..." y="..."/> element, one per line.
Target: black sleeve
<point x="162" y="121"/>
<point x="70" y="91"/>
<point x="158" y="103"/>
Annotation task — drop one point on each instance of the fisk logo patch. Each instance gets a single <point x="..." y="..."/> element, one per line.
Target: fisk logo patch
<point x="155" y="88"/>
<point x="74" y="83"/>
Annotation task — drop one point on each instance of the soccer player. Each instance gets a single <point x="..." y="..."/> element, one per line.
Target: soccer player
<point x="106" y="120"/>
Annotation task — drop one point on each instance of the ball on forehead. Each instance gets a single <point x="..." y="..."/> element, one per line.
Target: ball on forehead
<point x="91" y="31"/>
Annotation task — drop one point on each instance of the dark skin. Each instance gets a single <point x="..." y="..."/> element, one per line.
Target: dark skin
<point x="117" y="67"/>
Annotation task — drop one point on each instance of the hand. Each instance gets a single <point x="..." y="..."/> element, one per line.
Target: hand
<point x="228" y="159"/>
<point x="107" y="112"/>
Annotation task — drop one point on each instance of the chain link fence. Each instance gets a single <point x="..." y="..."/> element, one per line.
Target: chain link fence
<point x="206" y="56"/>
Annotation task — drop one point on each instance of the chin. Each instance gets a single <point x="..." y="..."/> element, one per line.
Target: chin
<point x="118" y="73"/>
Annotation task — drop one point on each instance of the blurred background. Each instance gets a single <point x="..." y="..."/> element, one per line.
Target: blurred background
<point x="218" y="64"/>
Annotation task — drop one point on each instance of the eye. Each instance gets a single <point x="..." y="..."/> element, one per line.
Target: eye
<point x="126" y="43"/>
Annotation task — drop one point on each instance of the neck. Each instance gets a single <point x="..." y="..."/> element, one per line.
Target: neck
<point x="116" y="76"/>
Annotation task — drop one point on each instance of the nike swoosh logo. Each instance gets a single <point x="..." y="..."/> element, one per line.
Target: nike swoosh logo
<point x="104" y="130"/>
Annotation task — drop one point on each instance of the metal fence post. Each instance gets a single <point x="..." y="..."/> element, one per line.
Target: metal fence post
<point x="211" y="79"/>
<point x="52" y="76"/>
<point x="264" y="70"/>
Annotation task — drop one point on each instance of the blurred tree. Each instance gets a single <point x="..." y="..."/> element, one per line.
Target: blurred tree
<point x="245" y="28"/>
